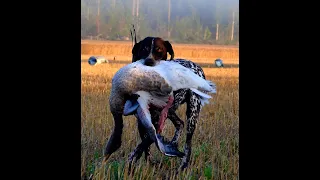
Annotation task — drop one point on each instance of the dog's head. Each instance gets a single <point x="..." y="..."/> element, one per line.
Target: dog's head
<point x="157" y="50"/>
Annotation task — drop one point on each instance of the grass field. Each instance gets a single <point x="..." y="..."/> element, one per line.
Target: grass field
<point x="200" y="53"/>
<point x="215" y="142"/>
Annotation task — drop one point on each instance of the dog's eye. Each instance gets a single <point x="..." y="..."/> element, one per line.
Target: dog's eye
<point x="158" y="49"/>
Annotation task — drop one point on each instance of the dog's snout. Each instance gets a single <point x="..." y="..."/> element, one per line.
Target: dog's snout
<point x="150" y="55"/>
<point x="149" y="62"/>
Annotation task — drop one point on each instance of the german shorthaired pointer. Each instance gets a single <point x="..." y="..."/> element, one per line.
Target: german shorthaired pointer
<point x="160" y="48"/>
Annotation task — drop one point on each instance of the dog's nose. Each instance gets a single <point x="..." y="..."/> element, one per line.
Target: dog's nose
<point x="149" y="62"/>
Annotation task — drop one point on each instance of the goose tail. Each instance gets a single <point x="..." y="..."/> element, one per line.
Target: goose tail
<point x="213" y="87"/>
<point x="204" y="98"/>
<point x="209" y="87"/>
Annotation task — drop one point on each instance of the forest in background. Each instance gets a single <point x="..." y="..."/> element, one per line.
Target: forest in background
<point x="180" y="21"/>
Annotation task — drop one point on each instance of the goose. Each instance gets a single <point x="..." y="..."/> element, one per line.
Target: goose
<point x="150" y="85"/>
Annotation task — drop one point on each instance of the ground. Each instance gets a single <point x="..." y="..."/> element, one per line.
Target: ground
<point x="215" y="144"/>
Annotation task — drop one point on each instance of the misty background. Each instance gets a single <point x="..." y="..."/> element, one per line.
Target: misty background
<point x="180" y="21"/>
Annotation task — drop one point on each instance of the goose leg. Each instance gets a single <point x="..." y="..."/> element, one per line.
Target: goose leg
<point x="145" y="118"/>
<point x="144" y="146"/>
<point x="147" y="142"/>
<point x="179" y="98"/>
<point x="155" y="114"/>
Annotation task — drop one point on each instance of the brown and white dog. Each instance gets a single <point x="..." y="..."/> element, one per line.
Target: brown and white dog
<point x="155" y="49"/>
<point x="159" y="51"/>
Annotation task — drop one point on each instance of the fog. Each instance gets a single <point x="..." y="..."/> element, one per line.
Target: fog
<point x="189" y="21"/>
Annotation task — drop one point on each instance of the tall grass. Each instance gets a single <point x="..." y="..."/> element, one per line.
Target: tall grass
<point x="215" y="142"/>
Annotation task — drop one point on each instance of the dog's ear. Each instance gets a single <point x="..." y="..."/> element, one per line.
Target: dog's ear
<point x="135" y="51"/>
<point x="169" y="48"/>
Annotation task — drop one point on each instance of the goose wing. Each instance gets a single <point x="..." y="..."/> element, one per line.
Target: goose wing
<point x="180" y="77"/>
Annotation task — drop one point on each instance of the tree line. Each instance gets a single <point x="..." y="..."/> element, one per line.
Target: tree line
<point x="180" y="21"/>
